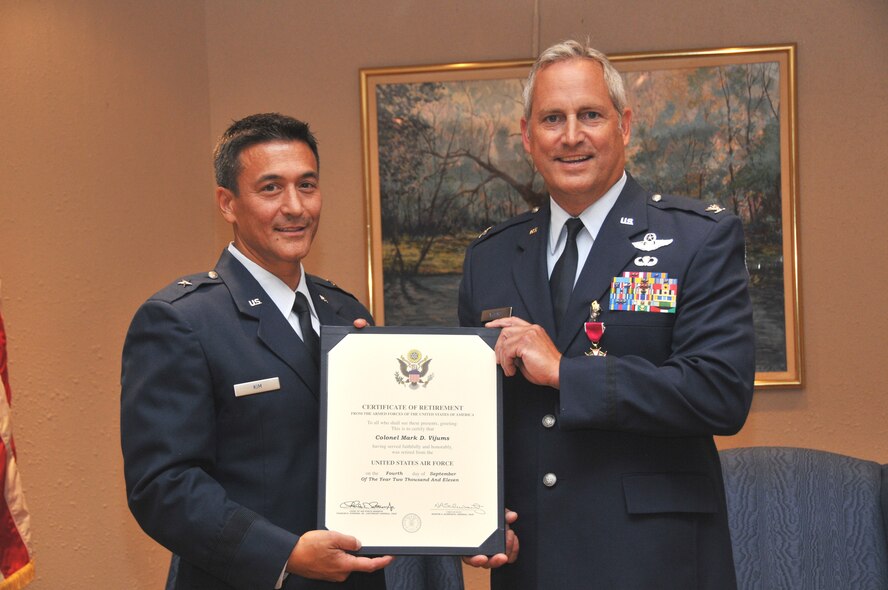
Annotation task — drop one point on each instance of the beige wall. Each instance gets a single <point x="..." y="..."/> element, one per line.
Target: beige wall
<point x="108" y="111"/>
<point x="104" y="119"/>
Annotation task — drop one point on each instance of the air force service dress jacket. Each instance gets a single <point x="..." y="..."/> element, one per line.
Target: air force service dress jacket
<point x="615" y="477"/>
<point x="225" y="479"/>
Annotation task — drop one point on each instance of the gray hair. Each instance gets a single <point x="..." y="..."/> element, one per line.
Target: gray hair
<point x="571" y="49"/>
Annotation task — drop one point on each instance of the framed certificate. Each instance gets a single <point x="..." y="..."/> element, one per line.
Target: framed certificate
<point x="411" y="440"/>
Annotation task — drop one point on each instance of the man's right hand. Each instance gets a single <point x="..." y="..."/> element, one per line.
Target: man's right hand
<point x="527" y="347"/>
<point x="322" y="555"/>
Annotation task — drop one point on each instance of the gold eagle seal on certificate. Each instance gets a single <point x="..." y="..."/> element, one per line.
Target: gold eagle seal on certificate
<point x="414" y="368"/>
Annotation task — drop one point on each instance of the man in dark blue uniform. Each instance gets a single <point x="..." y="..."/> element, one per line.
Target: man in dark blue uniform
<point x="628" y="345"/>
<point x="220" y="386"/>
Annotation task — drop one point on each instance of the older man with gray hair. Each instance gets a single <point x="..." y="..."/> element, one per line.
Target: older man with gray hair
<point x="629" y="345"/>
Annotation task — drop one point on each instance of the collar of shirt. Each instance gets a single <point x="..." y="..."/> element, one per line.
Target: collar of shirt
<point x="592" y="217"/>
<point x="281" y="295"/>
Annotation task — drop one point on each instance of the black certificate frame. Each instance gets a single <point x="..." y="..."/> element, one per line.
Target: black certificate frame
<point x="331" y="336"/>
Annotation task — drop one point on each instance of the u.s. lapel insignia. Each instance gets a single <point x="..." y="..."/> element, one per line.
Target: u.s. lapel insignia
<point x="650" y="243"/>
<point x="594" y="331"/>
<point x="714" y="208"/>
<point x="646" y="261"/>
<point x="627" y="221"/>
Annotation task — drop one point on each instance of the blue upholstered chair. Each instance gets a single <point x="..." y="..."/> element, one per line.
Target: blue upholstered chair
<point x="807" y="520"/>
<point x="406" y="573"/>
<point x="885" y="497"/>
<point x="171" y="574"/>
<point x="424" y="573"/>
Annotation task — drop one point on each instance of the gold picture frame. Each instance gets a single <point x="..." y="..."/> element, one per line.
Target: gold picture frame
<point x="443" y="160"/>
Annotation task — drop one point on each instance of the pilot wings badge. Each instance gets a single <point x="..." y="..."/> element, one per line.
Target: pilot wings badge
<point x="651" y="243"/>
<point x="414" y="368"/>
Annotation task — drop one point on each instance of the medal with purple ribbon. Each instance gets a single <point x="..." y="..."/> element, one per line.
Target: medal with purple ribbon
<point x="594" y="331"/>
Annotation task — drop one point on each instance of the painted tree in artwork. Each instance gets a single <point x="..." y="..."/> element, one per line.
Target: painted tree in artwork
<point x="403" y="134"/>
<point x="712" y="134"/>
<point x="451" y="163"/>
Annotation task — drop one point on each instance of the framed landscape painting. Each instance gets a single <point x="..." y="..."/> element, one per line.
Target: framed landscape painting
<point x="443" y="160"/>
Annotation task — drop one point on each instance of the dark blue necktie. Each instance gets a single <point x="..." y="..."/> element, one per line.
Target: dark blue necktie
<point x="561" y="282"/>
<point x="309" y="336"/>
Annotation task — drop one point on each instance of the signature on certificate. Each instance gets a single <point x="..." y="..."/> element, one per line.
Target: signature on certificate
<point x="373" y="506"/>
<point x="454" y="507"/>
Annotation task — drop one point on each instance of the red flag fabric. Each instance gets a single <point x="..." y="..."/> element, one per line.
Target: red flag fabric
<point x="16" y="563"/>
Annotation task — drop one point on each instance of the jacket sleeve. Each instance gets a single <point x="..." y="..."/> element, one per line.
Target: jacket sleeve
<point x="705" y="385"/>
<point x="465" y="310"/>
<point x="168" y="434"/>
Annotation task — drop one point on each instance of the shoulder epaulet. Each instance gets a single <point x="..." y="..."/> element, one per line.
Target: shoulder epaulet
<point x="710" y="210"/>
<point x="517" y="220"/>
<point x="187" y="285"/>
<point x="328" y="284"/>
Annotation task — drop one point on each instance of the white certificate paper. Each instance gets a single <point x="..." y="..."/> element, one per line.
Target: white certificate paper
<point x="411" y="440"/>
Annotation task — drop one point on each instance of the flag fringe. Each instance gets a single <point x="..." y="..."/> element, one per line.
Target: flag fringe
<point x="21" y="578"/>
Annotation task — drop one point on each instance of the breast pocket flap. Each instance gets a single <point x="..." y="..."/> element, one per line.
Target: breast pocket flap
<point x="669" y="492"/>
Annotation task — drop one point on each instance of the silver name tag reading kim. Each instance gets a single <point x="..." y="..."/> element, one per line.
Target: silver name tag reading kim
<point x="261" y="386"/>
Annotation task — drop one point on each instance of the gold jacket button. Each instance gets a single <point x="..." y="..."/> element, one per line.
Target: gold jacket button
<point x="549" y="480"/>
<point x="213" y="274"/>
<point x="548" y="421"/>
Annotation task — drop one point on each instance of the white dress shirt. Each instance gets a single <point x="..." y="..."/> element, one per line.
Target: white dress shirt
<point x="281" y="295"/>
<point x="592" y="217"/>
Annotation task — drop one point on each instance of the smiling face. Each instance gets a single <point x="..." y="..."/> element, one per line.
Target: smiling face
<point x="575" y="135"/>
<point x="276" y="210"/>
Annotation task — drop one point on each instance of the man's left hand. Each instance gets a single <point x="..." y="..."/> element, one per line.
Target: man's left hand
<point x="500" y="559"/>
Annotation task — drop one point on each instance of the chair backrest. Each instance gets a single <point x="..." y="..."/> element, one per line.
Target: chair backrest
<point x="425" y="573"/>
<point x="885" y="498"/>
<point x="806" y="519"/>
<point x="405" y="573"/>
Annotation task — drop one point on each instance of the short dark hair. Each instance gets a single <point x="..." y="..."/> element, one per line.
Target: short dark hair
<point x="252" y="130"/>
